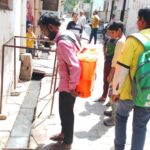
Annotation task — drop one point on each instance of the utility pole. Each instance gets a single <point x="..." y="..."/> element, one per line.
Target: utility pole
<point x="91" y="9"/>
<point x="112" y="9"/>
<point x="123" y="11"/>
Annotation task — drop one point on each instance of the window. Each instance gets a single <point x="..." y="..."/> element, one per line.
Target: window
<point x="50" y="5"/>
<point x="6" y="4"/>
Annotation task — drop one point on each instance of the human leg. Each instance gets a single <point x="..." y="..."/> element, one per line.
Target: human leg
<point x="67" y="101"/>
<point x="107" y="68"/>
<point x="106" y="71"/>
<point x="59" y="136"/>
<point x="29" y="51"/>
<point x="141" y="117"/>
<point x="122" y="113"/>
<point x="95" y="35"/>
<point x="112" y="115"/>
<point x="91" y="35"/>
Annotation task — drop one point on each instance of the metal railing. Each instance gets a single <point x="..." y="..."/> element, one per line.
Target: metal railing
<point x="14" y="46"/>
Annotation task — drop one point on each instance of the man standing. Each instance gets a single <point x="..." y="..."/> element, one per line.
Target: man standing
<point x="74" y="26"/>
<point x="82" y="20"/>
<point x="69" y="72"/>
<point x="95" y="26"/>
<point x="132" y="49"/>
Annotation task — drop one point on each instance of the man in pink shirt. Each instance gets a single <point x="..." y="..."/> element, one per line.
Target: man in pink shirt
<point x="69" y="72"/>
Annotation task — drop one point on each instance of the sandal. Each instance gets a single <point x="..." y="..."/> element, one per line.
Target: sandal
<point x="57" y="137"/>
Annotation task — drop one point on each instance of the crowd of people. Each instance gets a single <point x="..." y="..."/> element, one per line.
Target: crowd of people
<point x="121" y="57"/>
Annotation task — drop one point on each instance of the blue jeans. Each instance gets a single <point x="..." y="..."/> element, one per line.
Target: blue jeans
<point x="124" y="107"/>
<point x="93" y="34"/>
<point x="140" y="119"/>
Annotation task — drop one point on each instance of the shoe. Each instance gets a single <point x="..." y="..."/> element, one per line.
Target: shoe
<point x="51" y="146"/>
<point x="65" y="146"/>
<point x="57" y="146"/>
<point x="108" y="104"/>
<point x="102" y="99"/>
<point x="109" y="122"/>
<point x="108" y="113"/>
<point x="57" y="137"/>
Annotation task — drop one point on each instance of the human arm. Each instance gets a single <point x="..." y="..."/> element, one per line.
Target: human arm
<point x="124" y="63"/>
<point x="117" y="52"/>
<point x="120" y="74"/>
<point x="105" y="49"/>
<point x="69" y="25"/>
<point x="111" y="74"/>
<point x="68" y="54"/>
<point x="35" y="41"/>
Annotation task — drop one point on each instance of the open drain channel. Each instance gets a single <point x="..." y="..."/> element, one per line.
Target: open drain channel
<point x="20" y="134"/>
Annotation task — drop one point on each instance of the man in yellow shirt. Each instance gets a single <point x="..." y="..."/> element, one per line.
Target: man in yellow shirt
<point x="95" y="26"/>
<point x="122" y="88"/>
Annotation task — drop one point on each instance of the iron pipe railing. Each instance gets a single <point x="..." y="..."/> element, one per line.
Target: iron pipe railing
<point x="54" y="72"/>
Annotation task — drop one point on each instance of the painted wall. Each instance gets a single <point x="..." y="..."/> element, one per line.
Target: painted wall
<point x="98" y="5"/>
<point x="130" y="18"/>
<point x="15" y="24"/>
<point x="134" y="6"/>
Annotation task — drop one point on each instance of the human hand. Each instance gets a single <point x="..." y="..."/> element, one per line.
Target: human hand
<point x="74" y="93"/>
<point x="83" y="50"/>
<point x="110" y="77"/>
<point x="115" y="98"/>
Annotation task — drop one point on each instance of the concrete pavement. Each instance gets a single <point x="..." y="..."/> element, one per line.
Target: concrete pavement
<point x="89" y="131"/>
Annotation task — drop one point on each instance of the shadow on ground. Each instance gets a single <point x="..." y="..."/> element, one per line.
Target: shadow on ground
<point x="98" y="129"/>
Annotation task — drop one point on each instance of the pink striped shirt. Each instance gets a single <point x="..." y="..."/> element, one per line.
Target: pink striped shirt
<point x="68" y="64"/>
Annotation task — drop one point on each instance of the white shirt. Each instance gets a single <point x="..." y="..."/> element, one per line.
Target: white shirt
<point x="118" y="49"/>
<point x="82" y="21"/>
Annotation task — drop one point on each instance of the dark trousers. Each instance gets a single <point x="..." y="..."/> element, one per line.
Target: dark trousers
<point x="93" y="34"/>
<point x="107" y="68"/>
<point x="66" y="105"/>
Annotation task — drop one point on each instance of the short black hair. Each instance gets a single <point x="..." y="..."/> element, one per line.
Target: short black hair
<point x="95" y="11"/>
<point x="29" y="25"/>
<point x="74" y="13"/>
<point x="116" y="25"/>
<point x="145" y="14"/>
<point x="49" y="18"/>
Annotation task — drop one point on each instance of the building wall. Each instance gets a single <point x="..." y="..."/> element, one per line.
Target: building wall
<point x="15" y="24"/>
<point x="134" y="6"/>
<point x="130" y="18"/>
<point x="98" y="5"/>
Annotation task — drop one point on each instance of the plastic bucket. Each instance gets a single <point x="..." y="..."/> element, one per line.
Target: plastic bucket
<point x="88" y="65"/>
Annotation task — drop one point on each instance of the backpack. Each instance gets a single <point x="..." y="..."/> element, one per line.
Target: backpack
<point x="141" y="80"/>
<point x="67" y="37"/>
